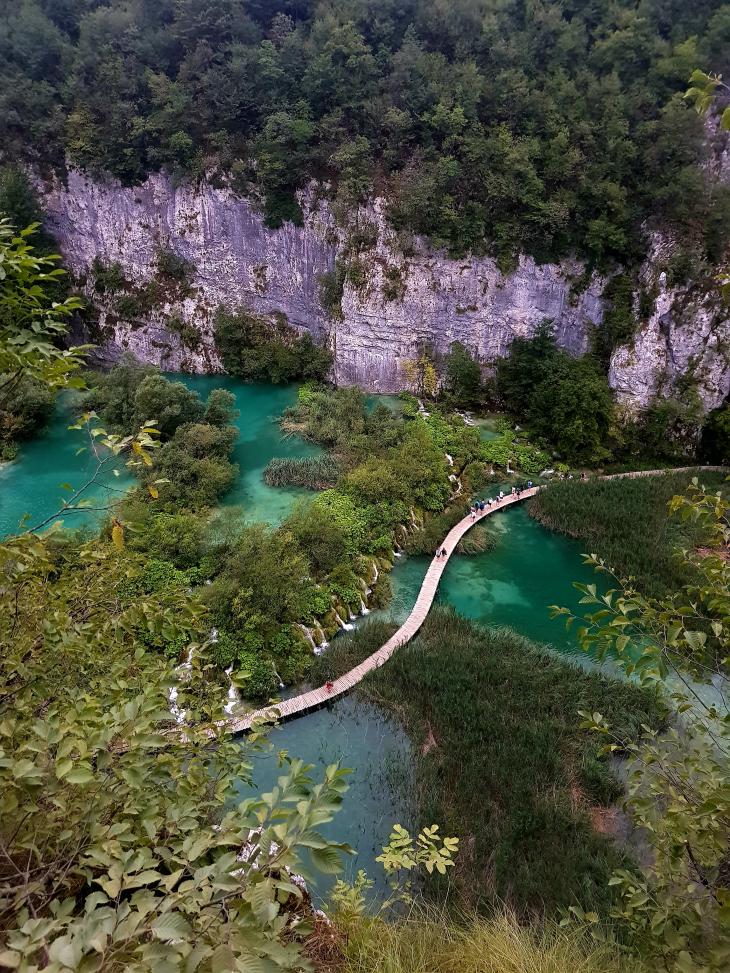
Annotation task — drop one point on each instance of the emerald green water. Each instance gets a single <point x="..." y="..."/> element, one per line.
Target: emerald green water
<point x="510" y="585"/>
<point x="259" y="441"/>
<point x="32" y="484"/>
<point x="377" y="751"/>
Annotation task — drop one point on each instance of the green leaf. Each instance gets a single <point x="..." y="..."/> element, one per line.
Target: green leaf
<point x="327" y="860"/>
<point x="171" y="925"/>
<point x="80" y="775"/>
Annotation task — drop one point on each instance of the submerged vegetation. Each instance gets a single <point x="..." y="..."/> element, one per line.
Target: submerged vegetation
<point x="313" y="472"/>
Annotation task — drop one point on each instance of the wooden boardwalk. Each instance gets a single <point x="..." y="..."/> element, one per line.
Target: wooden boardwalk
<point x="316" y="698"/>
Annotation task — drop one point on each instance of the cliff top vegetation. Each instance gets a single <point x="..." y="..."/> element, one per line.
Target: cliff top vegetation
<point x="544" y="127"/>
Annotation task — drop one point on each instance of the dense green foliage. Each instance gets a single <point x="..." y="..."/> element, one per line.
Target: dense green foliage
<point x="565" y="400"/>
<point x="262" y="349"/>
<point x="463" y="376"/>
<point x="677" y="782"/>
<point x="34" y="315"/>
<point x="24" y="408"/>
<point x="545" y="128"/>
<point x="502" y="755"/>
<point x="121" y="837"/>
<point x="624" y="522"/>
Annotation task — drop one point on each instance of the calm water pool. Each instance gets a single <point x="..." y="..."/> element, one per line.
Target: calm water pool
<point x="32" y="484"/>
<point x="377" y="750"/>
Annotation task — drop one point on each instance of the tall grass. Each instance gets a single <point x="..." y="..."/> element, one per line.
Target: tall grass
<point x="501" y="760"/>
<point x="626" y="522"/>
<point x="313" y="472"/>
<point x="431" y="942"/>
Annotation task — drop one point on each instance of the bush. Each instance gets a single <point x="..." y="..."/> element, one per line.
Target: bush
<point x="262" y="349"/>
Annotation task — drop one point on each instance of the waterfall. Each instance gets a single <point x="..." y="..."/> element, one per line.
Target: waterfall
<point x="449" y="459"/>
<point x="364" y="610"/>
<point x="172" y="693"/>
<point x="422" y="411"/>
<point x="323" y="638"/>
<point x="308" y="636"/>
<point x="281" y="681"/>
<point x="232" y="693"/>
<point x="457" y="482"/>
<point x="341" y="622"/>
<point x="377" y="573"/>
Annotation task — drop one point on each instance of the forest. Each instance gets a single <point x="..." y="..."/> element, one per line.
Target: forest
<point x="496" y="127"/>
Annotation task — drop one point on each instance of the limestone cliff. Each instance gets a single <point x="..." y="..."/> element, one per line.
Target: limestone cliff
<point x="397" y="300"/>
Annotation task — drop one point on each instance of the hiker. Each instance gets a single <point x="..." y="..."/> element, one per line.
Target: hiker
<point x="473" y="513"/>
<point x="438" y="553"/>
<point x="529" y="484"/>
<point x="482" y="506"/>
<point x="329" y="685"/>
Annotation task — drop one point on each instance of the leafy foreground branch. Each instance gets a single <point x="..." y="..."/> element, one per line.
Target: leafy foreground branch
<point x="123" y="846"/>
<point x="678" y="784"/>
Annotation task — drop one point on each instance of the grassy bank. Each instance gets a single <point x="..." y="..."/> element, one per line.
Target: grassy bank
<point x="429" y="942"/>
<point x="502" y="762"/>
<point x="625" y="522"/>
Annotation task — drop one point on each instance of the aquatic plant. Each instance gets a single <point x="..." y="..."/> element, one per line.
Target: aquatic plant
<point x="312" y="472"/>
<point x="503" y="758"/>
<point x="625" y="522"/>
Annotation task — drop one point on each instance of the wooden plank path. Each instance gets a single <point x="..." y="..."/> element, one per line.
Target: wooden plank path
<point x="315" y="698"/>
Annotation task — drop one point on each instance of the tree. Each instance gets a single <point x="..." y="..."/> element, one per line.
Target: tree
<point x="527" y="365"/>
<point x="32" y="323"/>
<point x="126" y="843"/>
<point x="572" y="408"/>
<point x="677" y="784"/>
<point x="420" y="373"/>
<point x="463" y="375"/>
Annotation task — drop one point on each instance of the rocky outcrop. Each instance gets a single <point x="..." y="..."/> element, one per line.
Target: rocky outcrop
<point x="681" y="349"/>
<point x="407" y="301"/>
<point x="396" y="299"/>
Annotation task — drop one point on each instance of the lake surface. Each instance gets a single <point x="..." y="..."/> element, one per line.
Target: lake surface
<point x="32" y="484"/>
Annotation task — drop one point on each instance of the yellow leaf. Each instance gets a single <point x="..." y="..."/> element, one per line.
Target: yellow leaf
<point x="117" y="535"/>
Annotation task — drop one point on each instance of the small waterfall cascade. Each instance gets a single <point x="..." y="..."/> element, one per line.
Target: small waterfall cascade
<point x="449" y="459"/>
<point x="309" y="637"/>
<point x="346" y="626"/>
<point x="364" y="610"/>
<point x="232" y="693"/>
<point x="172" y="693"/>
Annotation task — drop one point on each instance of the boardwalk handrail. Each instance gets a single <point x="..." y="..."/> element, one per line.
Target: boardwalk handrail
<point x="315" y="698"/>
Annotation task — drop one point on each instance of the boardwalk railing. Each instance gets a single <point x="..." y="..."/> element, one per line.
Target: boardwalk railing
<point x="315" y="698"/>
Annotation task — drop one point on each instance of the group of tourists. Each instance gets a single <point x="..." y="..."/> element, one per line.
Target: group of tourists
<point x="480" y="507"/>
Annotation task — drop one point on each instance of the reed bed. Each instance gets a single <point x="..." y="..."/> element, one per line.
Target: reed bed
<point x="432" y="941"/>
<point x="626" y="522"/>
<point x="501" y="759"/>
<point x="312" y="472"/>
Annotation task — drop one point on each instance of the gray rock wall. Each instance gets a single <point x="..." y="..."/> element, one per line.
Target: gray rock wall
<point x="406" y="301"/>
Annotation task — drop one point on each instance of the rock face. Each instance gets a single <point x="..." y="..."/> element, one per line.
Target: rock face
<point x="684" y="344"/>
<point x="393" y="303"/>
<point x="407" y="302"/>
